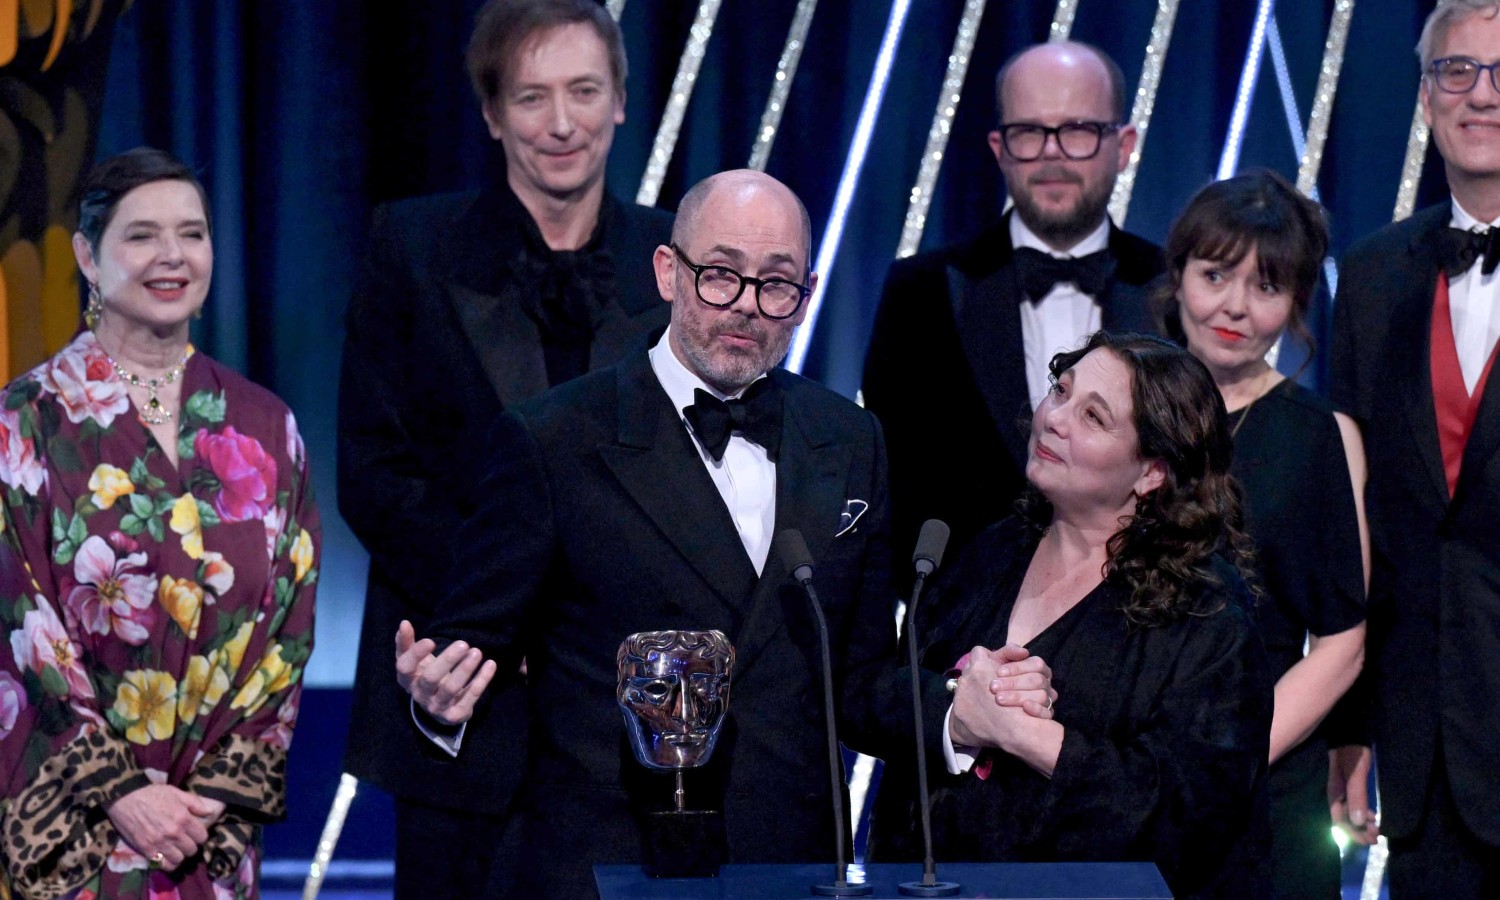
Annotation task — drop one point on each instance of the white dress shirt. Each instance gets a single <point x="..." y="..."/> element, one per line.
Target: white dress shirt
<point x="1474" y="302"/>
<point x="745" y="477"/>
<point x="1062" y="319"/>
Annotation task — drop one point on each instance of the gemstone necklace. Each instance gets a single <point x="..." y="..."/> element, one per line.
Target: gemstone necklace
<point x="154" y="413"/>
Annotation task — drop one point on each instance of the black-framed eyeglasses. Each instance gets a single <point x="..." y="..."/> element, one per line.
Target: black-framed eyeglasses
<point x="720" y="286"/>
<point x="1025" y="141"/>
<point x="1459" y="74"/>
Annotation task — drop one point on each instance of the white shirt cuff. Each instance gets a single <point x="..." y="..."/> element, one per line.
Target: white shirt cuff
<point x="450" y="742"/>
<point x="959" y="759"/>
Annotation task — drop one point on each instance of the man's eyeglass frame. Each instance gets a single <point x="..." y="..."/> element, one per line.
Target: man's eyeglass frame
<point x="1055" y="132"/>
<point x="802" y="290"/>
<point x="1479" y="68"/>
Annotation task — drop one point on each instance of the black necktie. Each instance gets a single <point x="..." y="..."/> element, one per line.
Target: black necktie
<point x="1459" y="249"/>
<point x="1039" y="272"/>
<point x="756" y="415"/>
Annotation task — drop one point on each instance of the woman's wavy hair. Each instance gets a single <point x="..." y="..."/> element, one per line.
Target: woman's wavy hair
<point x="1259" y="211"/>
<point x="1163" y="552"/>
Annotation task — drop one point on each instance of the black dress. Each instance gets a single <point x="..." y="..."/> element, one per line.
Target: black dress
<point x="1299" y="510"/>
<point x="1164" y="756"/>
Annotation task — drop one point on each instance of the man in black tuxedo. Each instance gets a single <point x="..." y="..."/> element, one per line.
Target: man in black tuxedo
<point x="470" y="303"/>
<point x="633" y="500"/>
<point x="958" y="357"/>
<point x="1414" y="340"/>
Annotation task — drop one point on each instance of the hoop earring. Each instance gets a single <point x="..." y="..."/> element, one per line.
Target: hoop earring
<point x="95" y="308"/>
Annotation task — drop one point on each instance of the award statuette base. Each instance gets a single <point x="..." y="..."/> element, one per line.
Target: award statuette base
<point x="684" y="844"/>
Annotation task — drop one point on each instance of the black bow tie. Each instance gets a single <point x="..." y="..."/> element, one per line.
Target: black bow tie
<point x="1040" y="272"/>
<point x="1459" y="249"/>
<point x="756" y="415"/>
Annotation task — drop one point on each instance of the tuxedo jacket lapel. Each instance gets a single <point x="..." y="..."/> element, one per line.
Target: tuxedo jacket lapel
<point x="504" y="338"/>
<point x="657" y="463"/>
<point x="985" y="304"/>
<point x="630" y="246"/>
<point x="809" y="497"/>
<point x="1125" y="304"/>
<point x="1410" y="364"/>
<point x="1484" y="441"/>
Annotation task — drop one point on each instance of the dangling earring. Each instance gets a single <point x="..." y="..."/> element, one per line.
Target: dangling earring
<point x="95" y="309"/>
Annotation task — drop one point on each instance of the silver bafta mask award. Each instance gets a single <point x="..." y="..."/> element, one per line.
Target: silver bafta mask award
<point x="674" y="694"/>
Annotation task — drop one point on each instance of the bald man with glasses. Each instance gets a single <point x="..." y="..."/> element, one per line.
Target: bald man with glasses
<point x="960" y="348"/>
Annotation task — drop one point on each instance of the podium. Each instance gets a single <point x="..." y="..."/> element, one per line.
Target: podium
<point x="1033" y="881"/>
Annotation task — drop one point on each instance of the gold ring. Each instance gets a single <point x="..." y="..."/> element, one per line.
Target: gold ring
<point x="157" y="860"/>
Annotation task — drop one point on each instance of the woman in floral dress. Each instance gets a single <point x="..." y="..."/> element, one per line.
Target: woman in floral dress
<point x="158" y="564"/>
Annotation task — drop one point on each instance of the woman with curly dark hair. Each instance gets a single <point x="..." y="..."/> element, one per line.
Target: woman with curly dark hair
<point x="1110" y="699"/>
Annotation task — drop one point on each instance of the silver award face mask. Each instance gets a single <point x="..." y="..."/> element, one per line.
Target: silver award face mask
<point x="674" y="694"/>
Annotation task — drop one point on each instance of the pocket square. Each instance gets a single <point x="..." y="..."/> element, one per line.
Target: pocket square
<point x="853" y="509"/>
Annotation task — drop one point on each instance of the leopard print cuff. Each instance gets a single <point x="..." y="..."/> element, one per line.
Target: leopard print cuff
<point x="246" y="773"/>
<point x="56" y="831"/>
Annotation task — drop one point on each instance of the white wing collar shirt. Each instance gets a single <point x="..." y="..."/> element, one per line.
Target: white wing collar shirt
<point x="1060" y="320"/>
<point x="745" y="476"/>
<point x="1474" y="303"/>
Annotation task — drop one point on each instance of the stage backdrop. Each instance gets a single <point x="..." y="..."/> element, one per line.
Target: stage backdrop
<point x="303" y="116"/>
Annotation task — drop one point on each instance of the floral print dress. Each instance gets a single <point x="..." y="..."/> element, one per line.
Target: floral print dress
<point x="157" y="620"/>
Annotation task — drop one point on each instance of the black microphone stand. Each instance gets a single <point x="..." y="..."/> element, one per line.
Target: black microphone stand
<point x="794" y="551"/>
<point x="929" y="553"/>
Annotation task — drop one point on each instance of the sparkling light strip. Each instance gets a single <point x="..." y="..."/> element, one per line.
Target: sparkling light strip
<point x="615" y="8"/>
<point x="1411" y="169"/>
<point x="859" y="784"/>
<point x="1229" y="158"/>
<point x="1369" y="889"/>
<point x="682" y="89"/>
<point x="1284" y="84"/>
<point x="781" y="87"/>
<point x="1322" y="108"/>
<point x="1062" y="20"/>
<point x="332" y="828"/>
<point x="1145" y="100"/>
<point x="849" y="180"/>
<point x="942" y="126"/>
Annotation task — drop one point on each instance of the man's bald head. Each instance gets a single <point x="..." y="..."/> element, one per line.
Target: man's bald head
<point x="1075" y="56"/>
<point x="735" y="225"/>
<point x="740" y="180"/>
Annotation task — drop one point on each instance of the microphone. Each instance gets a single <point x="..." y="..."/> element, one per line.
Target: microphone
<point x="791" y="549"/>
<point x="926" y="559"/>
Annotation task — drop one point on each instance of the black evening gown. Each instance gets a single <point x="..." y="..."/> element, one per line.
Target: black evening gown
<point x="1167" y="729"/>
<point x="1299" y="510"/>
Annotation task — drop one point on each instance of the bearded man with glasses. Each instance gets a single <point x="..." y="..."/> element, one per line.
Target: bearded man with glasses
<point x="958" y="357"/>
<point x="1414" y="343"/>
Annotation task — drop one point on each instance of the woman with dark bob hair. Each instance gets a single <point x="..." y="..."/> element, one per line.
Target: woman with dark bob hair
<point x="1242" y="267"/>
<point x="1110" y="700"/>
<point x="157" y="569"/>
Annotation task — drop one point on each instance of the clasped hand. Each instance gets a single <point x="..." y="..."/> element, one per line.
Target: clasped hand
<point x="446" y="685"/>
<point x="997" y="691"/>
<point x="163" y="820"/>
